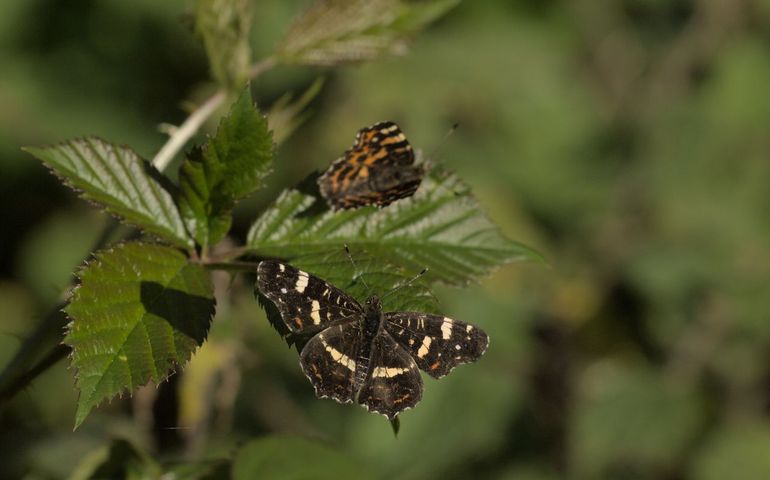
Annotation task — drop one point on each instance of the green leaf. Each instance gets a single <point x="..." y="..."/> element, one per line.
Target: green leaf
<point x="224" y="27"/>
<point x="120" y="181"/>
<point x="367" y="275"/>
<point x="139" y="310"/>
<point x="441" y="228"/>
<point x="336" y="31"/>
<point x="294" y="458"/>
<point x="230" y="166"/>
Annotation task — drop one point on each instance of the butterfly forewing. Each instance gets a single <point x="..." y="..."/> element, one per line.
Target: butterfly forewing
<point x="377" y="170"/>
<point x="394" y="382"/>
<point x="305" y="301"/>
<point x="382" y="143"/>
<point x="437" y="343"/>
<point x="329" y="361"/>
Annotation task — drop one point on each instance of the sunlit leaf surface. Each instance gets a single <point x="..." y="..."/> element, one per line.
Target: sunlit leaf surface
<point x="117" y="179"/>
<point x="442" y="228"/>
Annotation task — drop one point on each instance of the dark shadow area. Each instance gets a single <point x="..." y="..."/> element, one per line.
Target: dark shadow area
<point x="552" y="390"/>
<point x="622" y="323"/>
<point x="540" y="429"/>
<point x="81" y="34"/>
<point x="162" y="179"/>
<point x="24" y="188"/>
<point x="165" y="413"/>
<point x="309" y="186"/>
<point x="179" y="309"/>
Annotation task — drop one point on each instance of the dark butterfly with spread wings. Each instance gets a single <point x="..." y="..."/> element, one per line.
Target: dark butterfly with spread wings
<point x="377" y="170"/>
<point x="359" y="353"/>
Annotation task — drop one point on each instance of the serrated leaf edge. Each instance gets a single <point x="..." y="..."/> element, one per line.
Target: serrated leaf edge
<point x="83" y="195"/>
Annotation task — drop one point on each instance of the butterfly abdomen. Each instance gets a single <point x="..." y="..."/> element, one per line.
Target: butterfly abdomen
<point x="370" y="327"/>
<point x="362" y="372"/>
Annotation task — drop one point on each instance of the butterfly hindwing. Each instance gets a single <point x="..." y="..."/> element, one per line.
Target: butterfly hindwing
<point x="329" y="361"/>
<point x="437" y="343"/>
<point x="378" y="170"/>
<point x="394" y="382"/>
<point x="305" y="301"/>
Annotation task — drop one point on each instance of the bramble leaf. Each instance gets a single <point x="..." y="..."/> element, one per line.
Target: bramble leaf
<point x="441" y="228"/>
<point x="140" y="309"/>
<point x="230" y="165"/>
<point x="336" y="31"/>
<point x="117" y="179"/>
<point x="368" y="275"/>
<point x="223" y="26"/>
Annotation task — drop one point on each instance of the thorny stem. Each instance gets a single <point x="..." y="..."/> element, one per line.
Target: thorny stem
<point x="18" y="373"/>
<point x="53" y="356"/>
<point x="13" y="378"/>
<point x="182" y="134"/>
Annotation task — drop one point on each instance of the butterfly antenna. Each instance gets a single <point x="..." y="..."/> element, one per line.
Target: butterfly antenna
<point x="405" y="284"/>
<point x="355" y="267"/>
<point x="443" y="141"/>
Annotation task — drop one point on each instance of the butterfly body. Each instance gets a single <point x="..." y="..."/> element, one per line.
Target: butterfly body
<point x="359" y="353"/>
<point x="370" y="328"/>
<point x="377" y="170"/>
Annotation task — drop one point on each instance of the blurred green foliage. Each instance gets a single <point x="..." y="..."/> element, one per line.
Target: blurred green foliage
<point x="627" y="139"/>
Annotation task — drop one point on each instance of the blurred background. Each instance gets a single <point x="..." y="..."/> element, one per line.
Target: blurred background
<point x="627" y="140"/>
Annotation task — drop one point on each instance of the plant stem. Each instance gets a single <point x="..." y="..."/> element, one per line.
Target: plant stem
<point x="45" y="338"/>
<point x="57" y="353"/>
<point x="261" y="67"/>
<point x="193" y="123"/>
<point x="184" y="132"/>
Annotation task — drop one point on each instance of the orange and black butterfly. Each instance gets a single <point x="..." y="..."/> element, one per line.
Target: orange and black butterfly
<point x="377" y="170"/>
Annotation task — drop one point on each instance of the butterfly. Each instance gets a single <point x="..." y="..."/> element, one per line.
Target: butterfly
<point x="377" y="170"/>
<point x="360" y="354"/>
